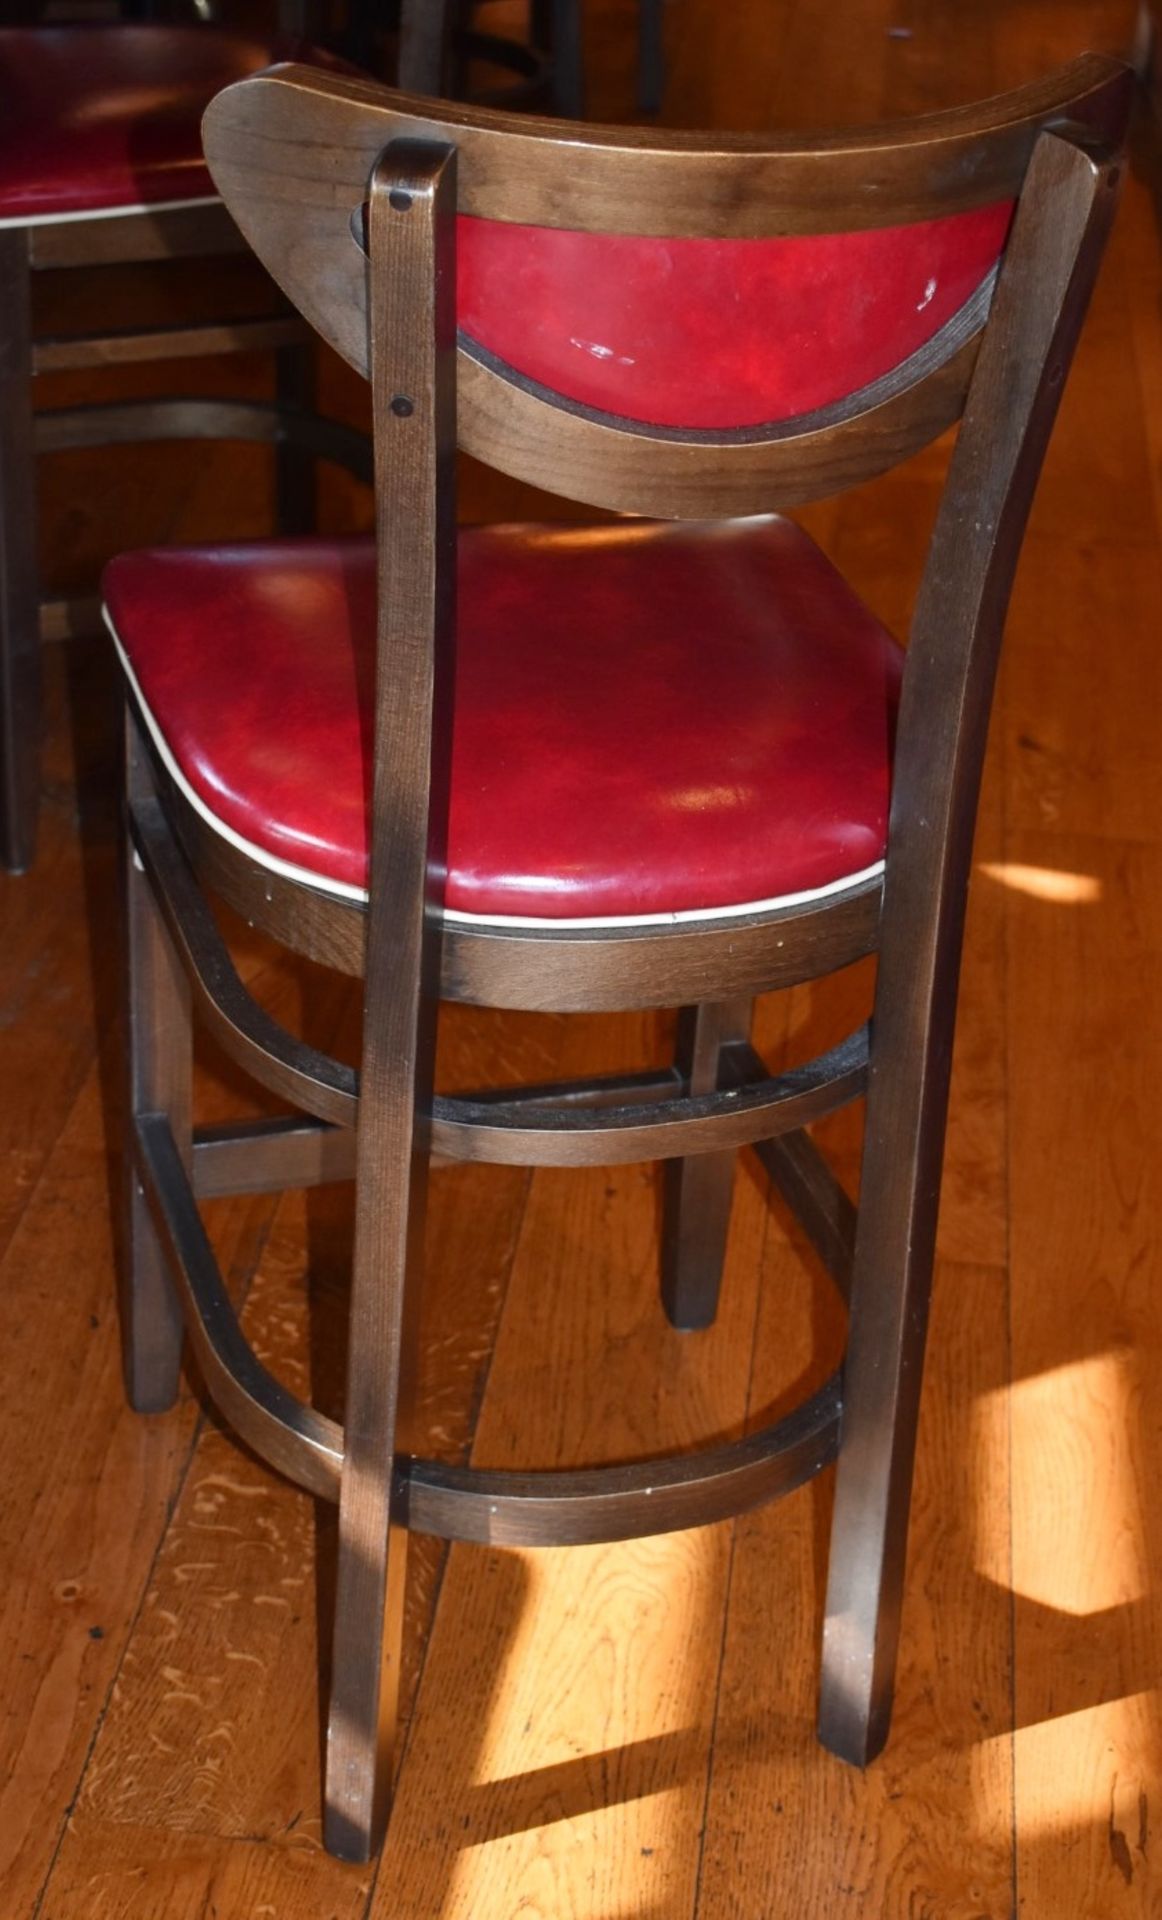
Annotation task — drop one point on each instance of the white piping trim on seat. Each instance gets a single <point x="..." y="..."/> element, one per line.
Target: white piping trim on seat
<point x="453" y="915"/>
<point x="109" y="213"/>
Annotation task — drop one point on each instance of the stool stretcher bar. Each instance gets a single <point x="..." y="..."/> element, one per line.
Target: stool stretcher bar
<point x="553" y="1508"/>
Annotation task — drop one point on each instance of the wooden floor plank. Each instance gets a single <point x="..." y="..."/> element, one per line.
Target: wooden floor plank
<point x="87" y="1488"/>
<point x="113" y="1872"/>
<point x="52" y="972"/>
<point x="1086" y="1054"/>
<point x="85" y="1494"/>
<point x="227" y="1646"/>
<point x="1085" y="687"/>
<point x="927" y="1829"/>
<point x="83" y="1503"/>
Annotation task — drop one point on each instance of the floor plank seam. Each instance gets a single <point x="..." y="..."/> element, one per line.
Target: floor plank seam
<point x="200" y="1427"/>
<point x="30" y="1198"/>
<point x="768" y="1228"/>
<point x="195" y="1437"/>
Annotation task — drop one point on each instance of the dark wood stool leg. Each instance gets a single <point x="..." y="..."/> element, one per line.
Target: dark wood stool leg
<point x="416" y="500"/>
<point x="540" y="25"/>
<point x="411" y="231"/>
<point x="651" y="55"/>
<point x="1042" y="294"/>
<point x="891" y="1286"/>
<point x="697" y="1195"/>
<point x="19" y="597"/>
<point x="568" y="74"/>
<point x="295" y="474"/>
<point x="160" y="1057"/>
<point x="389" y="1210"/>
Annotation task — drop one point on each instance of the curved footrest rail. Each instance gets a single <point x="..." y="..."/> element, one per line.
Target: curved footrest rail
<point x="594" y="1504"/>
<point x="547" y="1508"/>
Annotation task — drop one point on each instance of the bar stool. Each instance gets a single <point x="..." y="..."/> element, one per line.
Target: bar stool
<point x="688" y="765"/>
<point x="101" y="163"/>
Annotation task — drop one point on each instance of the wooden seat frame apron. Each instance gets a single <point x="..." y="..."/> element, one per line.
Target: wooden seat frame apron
<point x="288" y="423"/>
<point x="1054" y="147"/>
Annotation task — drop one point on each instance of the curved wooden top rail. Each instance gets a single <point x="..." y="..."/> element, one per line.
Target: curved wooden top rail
<point x="291" y="151"/>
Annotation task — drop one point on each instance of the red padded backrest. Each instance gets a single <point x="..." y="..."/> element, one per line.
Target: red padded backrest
<point x="673" y="324"/>
<point x="716" y="333"/>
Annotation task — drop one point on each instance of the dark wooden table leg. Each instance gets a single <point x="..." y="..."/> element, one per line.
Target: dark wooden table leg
<point x="540" y="25"/>
<point x="697" y="1195"/>
<point x="19" y="600"/>
<point x="424" y="52"/>
<point x="651" y="55"/>
<point x="568" y="70"/>
<point x="295" y="473"/>
<point x="301" y="19"/>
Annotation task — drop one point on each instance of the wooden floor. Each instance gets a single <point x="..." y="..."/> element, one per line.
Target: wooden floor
<point x="626" y="1733"/>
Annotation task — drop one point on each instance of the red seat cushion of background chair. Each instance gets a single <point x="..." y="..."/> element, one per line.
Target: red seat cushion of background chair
<point x="93" y="118"/>
<point x="649" y="719"/>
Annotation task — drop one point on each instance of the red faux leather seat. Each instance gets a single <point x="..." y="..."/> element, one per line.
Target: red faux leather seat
<point x="103" y="119"/>
<point x="649" y="719"/>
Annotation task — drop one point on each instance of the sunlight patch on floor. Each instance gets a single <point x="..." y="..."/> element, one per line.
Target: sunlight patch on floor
<point x="1079" y="1544"/>
<point x="1073" y="1769"/>
<point x="599" y="1730"/>
<point x="1053" y="885"/>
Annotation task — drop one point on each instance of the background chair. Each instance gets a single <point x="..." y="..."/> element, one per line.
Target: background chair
<point x="551" y="64"/>
<point x="101" y="164"/>
<point x="669" y="778"/>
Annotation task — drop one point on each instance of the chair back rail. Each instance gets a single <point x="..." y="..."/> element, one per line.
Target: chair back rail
<point x="825" y="293"/>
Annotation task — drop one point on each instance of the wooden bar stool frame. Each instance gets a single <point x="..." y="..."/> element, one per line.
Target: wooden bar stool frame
<point x="200" y="230"/>
<point x="999" y="367"/>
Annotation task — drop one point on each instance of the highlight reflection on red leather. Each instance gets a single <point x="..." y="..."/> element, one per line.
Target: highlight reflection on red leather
<point x="98" y="117"/>
<point x="716" y="333"/>
<point x="648" y="719"/>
